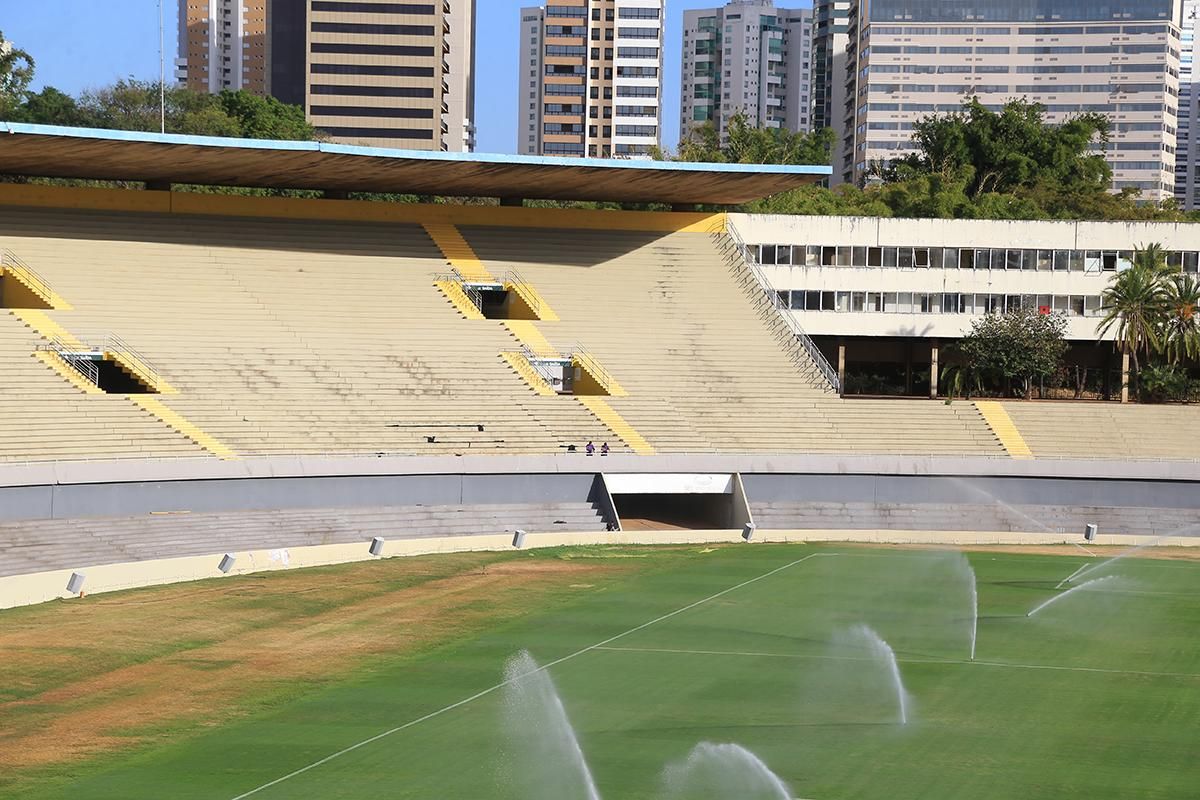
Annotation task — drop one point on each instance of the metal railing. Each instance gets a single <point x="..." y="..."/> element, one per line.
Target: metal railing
<point x="72" y="356"/>
<point x="26" y="274"/>
<point x="586" y="360"/>
<point x="804" y="351"/>
<point x="522" y="287"/>
<point x="537" y="364"/>
<point x="454" y="276"/>
<point x="117" y="347"/>
<point x="85" y="357"/>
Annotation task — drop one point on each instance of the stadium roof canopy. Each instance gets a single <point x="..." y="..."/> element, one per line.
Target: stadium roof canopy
<point x="54" y="152"/>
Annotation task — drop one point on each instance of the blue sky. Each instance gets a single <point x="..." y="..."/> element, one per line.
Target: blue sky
<point x="84" y="43"/>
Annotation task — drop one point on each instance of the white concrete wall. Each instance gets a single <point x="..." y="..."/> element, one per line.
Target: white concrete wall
<point x="23" y="590"/>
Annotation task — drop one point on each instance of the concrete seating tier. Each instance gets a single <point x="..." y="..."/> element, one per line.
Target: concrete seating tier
<point x="1107" y="430"/>
<point x="675" y="326"/>
<point x="38" y="546"/>
<point x="958" y="517"/>
<point x="295" y="337"/>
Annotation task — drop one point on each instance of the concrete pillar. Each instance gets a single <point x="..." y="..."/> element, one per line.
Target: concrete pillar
<point x="842" y="366"/>
<point x="158" y="186"/>
<point x="908" y="348"/>
<point x="933" y="370"/>
<point x="1124" y="377"/>
<point x="512" y="202"/>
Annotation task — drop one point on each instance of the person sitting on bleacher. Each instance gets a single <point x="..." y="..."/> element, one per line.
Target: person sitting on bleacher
<point x="590" y="449"/>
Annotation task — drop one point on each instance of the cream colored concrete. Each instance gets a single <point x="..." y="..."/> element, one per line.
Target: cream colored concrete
<point x="23" y="590"/>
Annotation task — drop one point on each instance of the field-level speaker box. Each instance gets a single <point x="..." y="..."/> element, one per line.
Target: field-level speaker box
<point x="75" y="584"/>
<point x="377" y="546"/>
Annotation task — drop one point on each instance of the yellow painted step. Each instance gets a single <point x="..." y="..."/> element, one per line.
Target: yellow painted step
<point x="534" y="300"/>
<point x="455" y="294"/>
<point x="602" y="377"/>
<point x="528" y="335"/>
<point x="45" y="327"/>
<point x="457" y="251"/>
<point x="37" y="288"/>
<point x="181" y="424"/>
<point x="530" y="375"/>
<point x="1005" y="429"/>
<point x="616" y="423"/>
<point x="68" y="373"/>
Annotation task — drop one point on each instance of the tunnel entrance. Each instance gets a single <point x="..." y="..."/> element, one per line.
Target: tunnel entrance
<point x="678" y="501"/>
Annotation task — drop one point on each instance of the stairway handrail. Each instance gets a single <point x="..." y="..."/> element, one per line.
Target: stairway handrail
<point x="38" y="283"/>
<point x="603" y="376"/>
<point x="741" y="253"/>
<point x="115" y="344"/>
<point x="511" y="276"/>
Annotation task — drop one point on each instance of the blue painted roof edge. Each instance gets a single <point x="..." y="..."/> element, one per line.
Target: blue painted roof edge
<point x="424" y="155"/>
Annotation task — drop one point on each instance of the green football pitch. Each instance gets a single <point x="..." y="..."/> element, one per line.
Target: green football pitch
<point x="763" y="647"/>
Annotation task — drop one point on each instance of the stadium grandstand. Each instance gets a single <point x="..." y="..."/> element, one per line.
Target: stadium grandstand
<point x="191" y="373"/>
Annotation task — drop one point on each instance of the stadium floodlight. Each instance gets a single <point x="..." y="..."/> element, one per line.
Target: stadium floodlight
<point x="1089" y="532"/>
<point x="75" y="584"/>
<point x="377" y="546"/>
<point x="748" y="531"/>
<point x="226" y="563"/>
<point x="518" y="539"/>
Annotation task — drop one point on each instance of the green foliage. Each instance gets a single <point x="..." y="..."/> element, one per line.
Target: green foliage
<point x="1009" y="151"/>
<point x="1013" y="350"/>
<point x="133" y="105"/>
<point x="1152" y="309"/>
<point x="1160" y="383"/>
<point x="16" y="73"/>
<point x="1136" y="305"/>
<point x="746" y="144"/>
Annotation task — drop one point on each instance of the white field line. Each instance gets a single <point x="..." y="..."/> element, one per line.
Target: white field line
<point x="501" y="685"/>
<point x="811" y="657"/>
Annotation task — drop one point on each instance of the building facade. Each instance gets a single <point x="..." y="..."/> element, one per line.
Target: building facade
<point x="907" y="59"/>
<point x="591" y="78"/>
<point x="830" y="22"/>
<point x="747" y="57"/>
<point x="371" y="73"/>
<point x="223" y="44"/>
<point x="1187" y="148"/>
<point x="875" y="291"/>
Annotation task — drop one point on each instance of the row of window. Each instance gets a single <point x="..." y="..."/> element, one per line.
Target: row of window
<point x="959" y="69"/>
<point x="979" y="258"/>
<point x="1053" y="108"/>
<point x="911" y="49"/>
<point x="939" y="302"/>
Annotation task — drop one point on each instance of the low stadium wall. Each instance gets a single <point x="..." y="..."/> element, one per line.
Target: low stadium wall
<point x="23" y="590"/>
<point x="868" y="486"/>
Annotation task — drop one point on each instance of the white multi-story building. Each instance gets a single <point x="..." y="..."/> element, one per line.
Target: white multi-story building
<point x="747" y="57"/>
<point x="591" y="78"/>
<point x="908" y="59"/>
<point x="223" y="45"/>
<point x="871" y="290"/>
<point x="828" y="71"/>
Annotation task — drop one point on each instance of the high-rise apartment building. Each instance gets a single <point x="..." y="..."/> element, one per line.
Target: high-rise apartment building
<point x="907" y="59"/>
<point x="748" y="57"/>
<point x="374" y="73"/>
<point x="830" y="22"/>
<point x="591" y="78"/>
<point x="1187" y="146"/>
<point x="223" y="45"/>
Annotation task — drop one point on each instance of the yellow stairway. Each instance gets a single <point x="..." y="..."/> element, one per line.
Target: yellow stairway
<point x="616" y="423"/>
<point x="457" y="251"/>
<point x="1005" y="429"/>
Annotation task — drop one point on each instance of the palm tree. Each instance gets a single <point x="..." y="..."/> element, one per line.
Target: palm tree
<point x="1135" y="303"/>
<point x="1153" y="259"/>
<point x="1181" y="328"/>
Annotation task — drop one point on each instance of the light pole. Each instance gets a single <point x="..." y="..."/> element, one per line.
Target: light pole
<point x="162" y="73"/>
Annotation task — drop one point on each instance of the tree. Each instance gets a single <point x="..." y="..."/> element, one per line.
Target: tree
<point x="1014" y="349"/>
<point x="16" y="73"/>
<point x="265" y="117"/>
<point x="747" y="144"/>
<point x="49" y="107"/>
<point x="1181" y="327"/>
<point x="1135" y="304"/>
<point x="1005" y="152"/>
